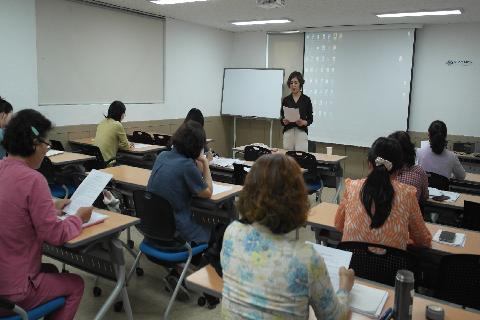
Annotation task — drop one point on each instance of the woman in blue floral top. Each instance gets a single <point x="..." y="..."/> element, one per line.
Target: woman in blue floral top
<point x="267" y="274"/>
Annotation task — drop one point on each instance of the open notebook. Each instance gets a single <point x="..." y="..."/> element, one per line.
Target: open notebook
<point x="86" y="194"/>
<point x="363" y="299"/>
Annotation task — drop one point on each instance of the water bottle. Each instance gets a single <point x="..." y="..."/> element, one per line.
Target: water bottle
<point x="404" y="291"/>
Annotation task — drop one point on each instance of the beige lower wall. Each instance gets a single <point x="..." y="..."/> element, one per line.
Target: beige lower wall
<point x="248" y="131"/>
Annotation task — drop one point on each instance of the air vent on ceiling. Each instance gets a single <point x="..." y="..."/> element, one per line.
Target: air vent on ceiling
<point x="270" y="4"/>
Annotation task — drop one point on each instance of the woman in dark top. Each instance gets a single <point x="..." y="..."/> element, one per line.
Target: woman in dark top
<point x="295" y="133"/>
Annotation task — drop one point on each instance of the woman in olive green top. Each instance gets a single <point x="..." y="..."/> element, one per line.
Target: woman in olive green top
<point x="110" y="134"/>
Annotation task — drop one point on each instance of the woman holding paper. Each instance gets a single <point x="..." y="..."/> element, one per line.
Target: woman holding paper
<point x="296" y="114"/>
<point x="267" y="274"/>
<point x="30" y="218"/>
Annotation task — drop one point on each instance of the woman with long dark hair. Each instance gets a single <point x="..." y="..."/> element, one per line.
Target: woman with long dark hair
<point x="380" y="209"/>
<point x="436" y="158"/>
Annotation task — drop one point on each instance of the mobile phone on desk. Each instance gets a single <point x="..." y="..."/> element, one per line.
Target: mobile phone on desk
<point x="440" y="198"/>
<point x="447" y="236"/>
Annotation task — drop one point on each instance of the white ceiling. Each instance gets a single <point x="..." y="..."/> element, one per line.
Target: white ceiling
<point x="305" y="13"/>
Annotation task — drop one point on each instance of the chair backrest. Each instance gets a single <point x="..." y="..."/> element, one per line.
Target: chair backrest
<point x="239" y="173"/>
<point x="252" y="153"/>
<point x="98" y="163"/>
<point x="312" y="146"/>
<point x="459" y="280"/>
<point x="142" y="137"/>
<point x="378" y="262"/>
<point x="156" y="215"/>
<point x="471" y="215"/>
<point x="47" y="170"/>
<point x="162" y="139"/>
<point x="438" y="181"/>
<point x="467" y="147"/>
<point x="57" y="145"/>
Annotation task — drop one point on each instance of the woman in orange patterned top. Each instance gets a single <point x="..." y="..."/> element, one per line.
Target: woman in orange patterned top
<point x="379" y="209"/>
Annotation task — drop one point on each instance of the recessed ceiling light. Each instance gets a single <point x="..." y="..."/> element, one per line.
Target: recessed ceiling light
<point x="254" y="22"/>
<point x="174" y="1"/>
<point x="419" y="13"/>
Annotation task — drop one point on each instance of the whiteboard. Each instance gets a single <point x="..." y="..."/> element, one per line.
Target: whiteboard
<point x="252" y="92"/>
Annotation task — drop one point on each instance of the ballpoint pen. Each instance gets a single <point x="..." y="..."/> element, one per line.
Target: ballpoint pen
<point x="387" y="314"/>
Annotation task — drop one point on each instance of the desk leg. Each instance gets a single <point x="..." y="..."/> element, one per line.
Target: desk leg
<point x="116" y="253"/>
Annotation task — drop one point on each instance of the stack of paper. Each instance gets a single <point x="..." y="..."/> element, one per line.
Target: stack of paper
<point x="364" y="299"/>
<point x="218" y="188"/>
<point x="140" y="145"/>
<point x="424" y="143"/>
<point x="224" y="162"/>
<point x="459" y="240"/>
<point x="53" y="152"/>
<point x="95" y="218"/>
<point x="291" y="114"/>
<point x="452" y="196"/>
<point x="367" y="300"/>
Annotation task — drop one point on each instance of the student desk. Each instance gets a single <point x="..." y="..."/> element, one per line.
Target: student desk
<point x="69" y="158"/>
<point x="87" y="252"/>
<point x="220" y="205"/>
<point x="457" y="205"/>
<point x="208" y="140"/>
<point x="206" y="280"/>
<point x="136" y="151"/>
<point x="328" y="165"/>
<point x="471" y="184"/>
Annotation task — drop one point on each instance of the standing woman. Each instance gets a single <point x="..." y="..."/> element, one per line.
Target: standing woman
<point x="295" y="133"/>
<point x="6" y="111"/>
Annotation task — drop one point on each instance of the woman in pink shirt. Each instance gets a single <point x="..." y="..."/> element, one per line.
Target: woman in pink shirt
<point x="29" y="218"/>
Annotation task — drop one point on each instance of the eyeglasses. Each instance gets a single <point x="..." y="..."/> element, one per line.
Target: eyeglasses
<point x="49" y="145"/>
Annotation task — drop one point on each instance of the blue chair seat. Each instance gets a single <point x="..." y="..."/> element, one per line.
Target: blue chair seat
<point x="40" y="311"/>
<point x="180" y="256"/>
<point x="59" y="192"/>
<point x="314" y="186"/>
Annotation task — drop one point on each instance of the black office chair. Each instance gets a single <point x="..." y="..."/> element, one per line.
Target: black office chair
<point x="471" y="215"/>
<point x="377" y="262"/>
<point x="142" y="137"/>
<point x="252" y="153"/>
<point x="57" y="145"/>
<point x="99" y="162"/>
<point x="240" y="172"/>
<point x="62" y="181"/>
<point x="438" y="181"/>
<point x="309" y="162"/>
<point x="162" y="244"/>
<point x="162" y="139"/>
<point x="459" y="280"/>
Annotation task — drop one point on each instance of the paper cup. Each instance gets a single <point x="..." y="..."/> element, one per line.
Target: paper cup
<point x="329" y="150"/>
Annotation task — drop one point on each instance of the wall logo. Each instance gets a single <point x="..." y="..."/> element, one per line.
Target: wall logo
<point x="459" y="62"/>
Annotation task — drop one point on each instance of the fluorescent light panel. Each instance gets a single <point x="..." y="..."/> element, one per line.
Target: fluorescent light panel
<point x="174" y="1"/>
<point x="255" y="22"/>
<point x="419" y="13"/>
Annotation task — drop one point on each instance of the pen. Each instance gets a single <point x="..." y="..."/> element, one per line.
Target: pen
<point x="387" y="314"/>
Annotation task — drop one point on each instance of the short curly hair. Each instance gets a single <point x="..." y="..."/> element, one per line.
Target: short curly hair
<point x="24" y="131"/>
<point x="189" y="139"/>
<point x="298" y="75"/>
<point x="275" y="194"/>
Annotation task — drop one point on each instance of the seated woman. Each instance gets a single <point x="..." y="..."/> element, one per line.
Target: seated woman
<point x="410" y="173"/>
<point x="435" y="158"/>
<point x="196" y="115"/>
<point x="110" y="135"/>
<point x="29" y="218"/>
<point x="6" y="111"/>
<point x="267" y="274"/>
<point x="380" y="209"/>
<point x="176" y="178"/>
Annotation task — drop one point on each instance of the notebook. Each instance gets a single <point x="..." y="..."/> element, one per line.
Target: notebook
<point x="218" y="188"/>
<point x="53" y="152"/>
<point x="459" y="240"/>
<point x="94" y="219"/>
<point x="452" y="196"/>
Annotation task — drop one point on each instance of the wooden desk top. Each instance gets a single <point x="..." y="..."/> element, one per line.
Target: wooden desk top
<point x="321" y="157"/>
<point x="323" y="215"/>
<point x="114" y="223"/>
<point x="148" y="149"/>
<point x="458" y="204"/>
<point x="207" y="280"/>
<point x="471" y="178"/>
<point x="138" y="178"/>
<point x="69" y="157"/>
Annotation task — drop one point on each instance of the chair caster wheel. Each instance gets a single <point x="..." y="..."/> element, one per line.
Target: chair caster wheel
<point x="118" y="306"/>
<point x="97" y="292"/>
<point x="130" y="244"/>
<point x="201" y="301"/>
<point x="139" y="271"/>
